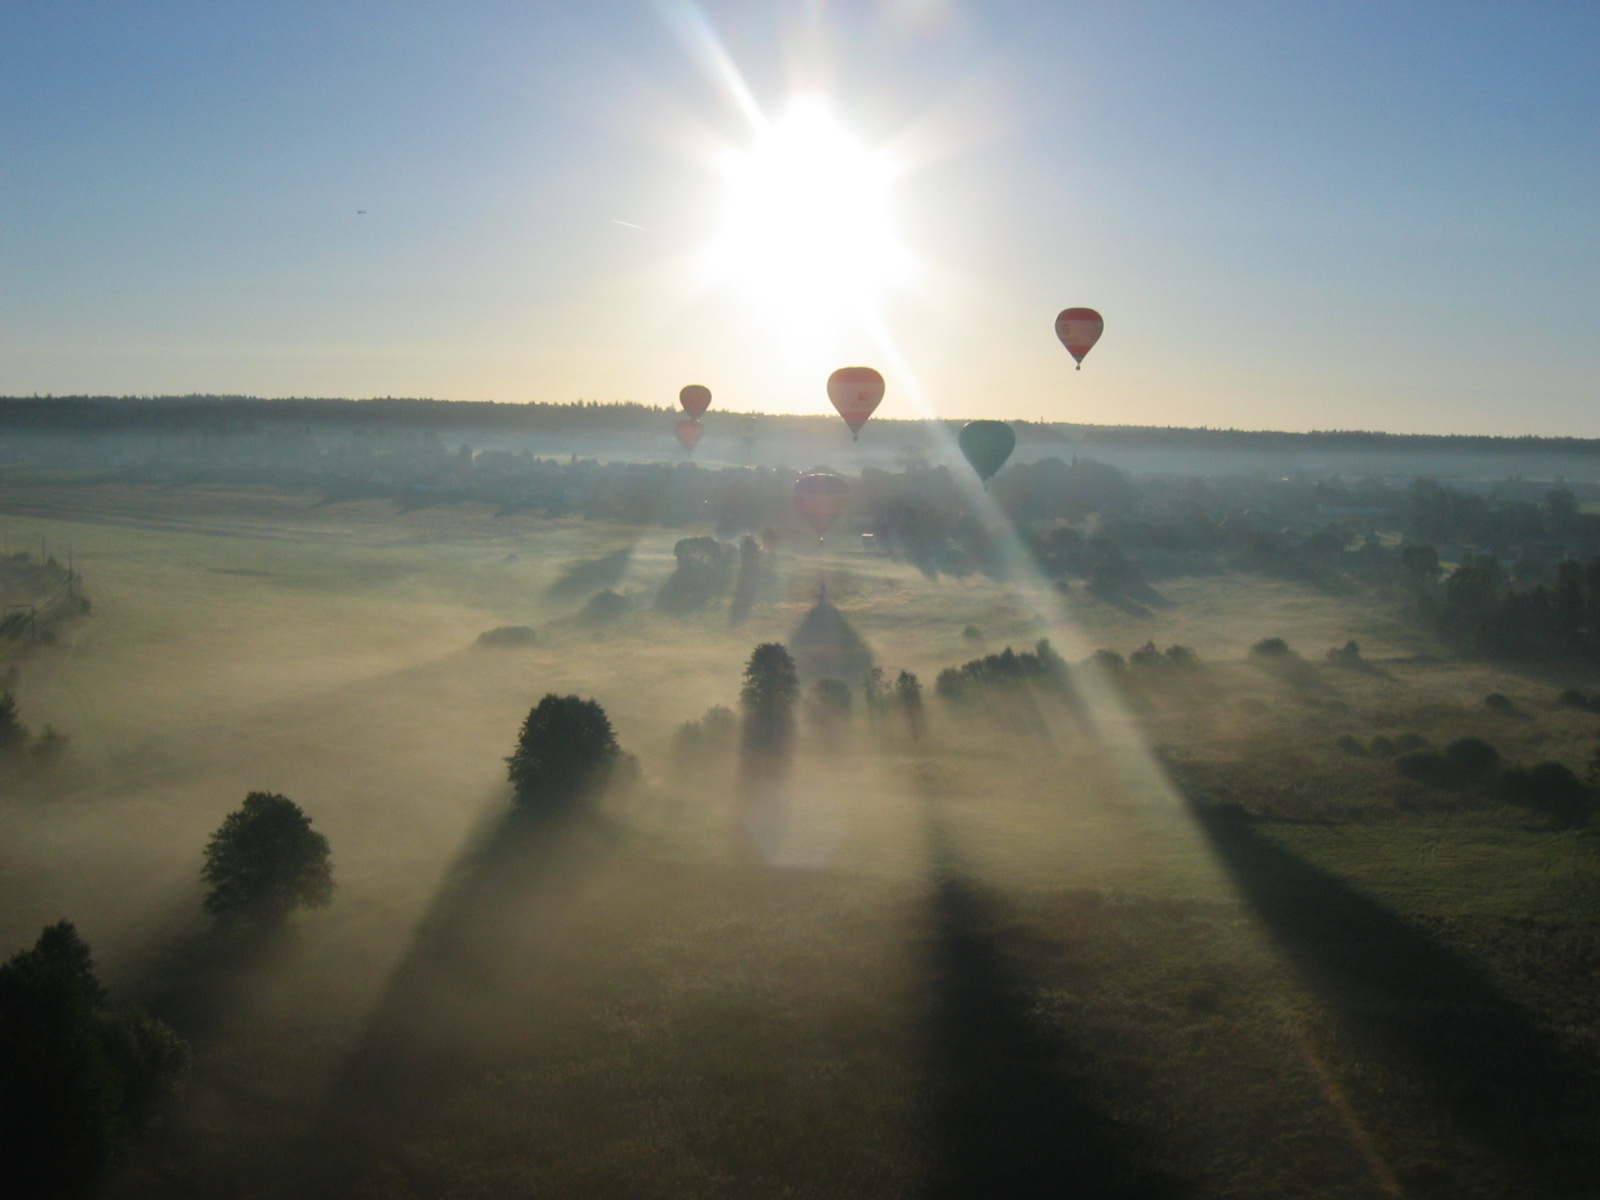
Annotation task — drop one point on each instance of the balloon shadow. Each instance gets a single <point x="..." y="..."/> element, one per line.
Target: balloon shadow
<point x="1483" y="1060"/>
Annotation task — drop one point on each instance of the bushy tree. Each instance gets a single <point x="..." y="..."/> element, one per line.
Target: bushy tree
<point x="77" y="1078"/>
<point x="566" y="748"/>
<point x="265" y="861"/>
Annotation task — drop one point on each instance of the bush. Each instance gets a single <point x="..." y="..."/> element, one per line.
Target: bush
<point x="830" y="698"/>
<point x="565" y="749"/>
<point x="1499" y="702"/>
<point x="1472" y="758"/>
<point x="1426" y="767"/>
<point x="1408" y="742"/>
<point x="1145" y="657"/>
<point x="1109" y="661"/>
<point x="1384" y="746"/>
<point x="1552" y="791"/>
<point x="265" y="861"/>
<point x="1347" y="656"/>
<point x="1350" y="745"/>
<point x="1572" y="698"/>
<point x="509" y="637"/>
<point x="1272" y="647"/>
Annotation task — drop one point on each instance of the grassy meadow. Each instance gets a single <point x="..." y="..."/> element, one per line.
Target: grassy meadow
<point x="1174" y="943"/>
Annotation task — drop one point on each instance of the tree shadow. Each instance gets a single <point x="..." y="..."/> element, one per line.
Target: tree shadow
<point x="452" y="1005"/>
<point x="200" y="970"/>
<point x="581" y="580"/>
<point x="1486" y="1063"/>
<point x="1015" y="1114"/>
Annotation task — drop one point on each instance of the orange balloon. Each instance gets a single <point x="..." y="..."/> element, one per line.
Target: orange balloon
<point x="695" y="399"/>
<point x="1079" y="329"/>
<point x="689" y="432"/>
<point x="820" y="499"/>
<point x="856" y="393"/>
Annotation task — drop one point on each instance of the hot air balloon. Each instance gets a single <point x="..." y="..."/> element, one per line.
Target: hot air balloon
<point x="1079" y="329"/>
<point x="819" y="499"/>
<point x="695" y="400"/>
<point x="987" y="445"/>
<point x="688" y="432"/>
<point x="855" y="392"/>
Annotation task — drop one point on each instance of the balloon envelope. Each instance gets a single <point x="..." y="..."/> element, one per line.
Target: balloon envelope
<point x="1079" y="329"/>
<point x="855" y="392"/>
<point x="695" y="399"/>
<point x="819" y="499"/>
<point x="688" y="432"/>
<point x="987" y="445"/>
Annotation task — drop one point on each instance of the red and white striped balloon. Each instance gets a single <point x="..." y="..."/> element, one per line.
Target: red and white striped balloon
<point x="1079" y="329"/>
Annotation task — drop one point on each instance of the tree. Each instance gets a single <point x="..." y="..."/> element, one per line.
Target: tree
<point x="265" y="861"/>
<point x="771" y="683"/>
<point x="566" y="748"/>
<point x="771" y="687"/>
<point x="13" y="733"/>
<point x="77" y="1078"/>
<point x="908" y="690"/>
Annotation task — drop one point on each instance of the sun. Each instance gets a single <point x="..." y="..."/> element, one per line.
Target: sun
<point x="807" y="228"/>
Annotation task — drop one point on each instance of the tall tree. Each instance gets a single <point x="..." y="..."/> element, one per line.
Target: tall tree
<point x="78" y="1079"/>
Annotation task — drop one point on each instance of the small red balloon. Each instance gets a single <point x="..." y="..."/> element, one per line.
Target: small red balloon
<point x="689" y="433"/>
<point x="695" y="399"/>
<point x="856" y="392"/>
<point x="1079" y="329"/>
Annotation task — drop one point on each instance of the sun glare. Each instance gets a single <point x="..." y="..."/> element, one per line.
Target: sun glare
<point x="807" y="228"/>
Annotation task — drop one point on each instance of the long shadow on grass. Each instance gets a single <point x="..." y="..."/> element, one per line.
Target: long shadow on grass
<point x="1014" y="1115"/>
<point x="1485" y="1061"/>
<point x="459" y="997"/>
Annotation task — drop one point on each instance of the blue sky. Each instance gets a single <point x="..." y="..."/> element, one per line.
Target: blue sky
<point x="1293" y="216"/>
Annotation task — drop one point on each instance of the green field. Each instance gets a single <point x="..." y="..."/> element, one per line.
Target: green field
<point x="995" y="961"/>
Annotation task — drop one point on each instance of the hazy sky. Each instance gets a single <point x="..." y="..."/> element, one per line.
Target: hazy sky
<point x="1292" y="215"/>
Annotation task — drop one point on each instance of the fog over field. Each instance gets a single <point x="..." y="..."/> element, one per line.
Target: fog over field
<point x="1167" y="891"/>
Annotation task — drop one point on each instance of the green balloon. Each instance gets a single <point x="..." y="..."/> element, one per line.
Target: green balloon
<point x="987" y="445"/>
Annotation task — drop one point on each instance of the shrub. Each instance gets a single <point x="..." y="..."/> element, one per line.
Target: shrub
<point x="720" y="726"/>
<point x="1350" y="745"/>
<point x="1384" y="746"/>
<point x="972" y="633"/>
<point x="1572" y="698"/>
<point x="1499" y="702"/>
<point x="565" y="749"/>
<point x="1146" y="657"/>
<point x="1408" y="742"/>
<point x="1551" y="790"/>
<point x="1472" y="758"/>
<point x="1272" y="647"/>
<point x="831" y="698"/>
<point x="1109" y="661"/>
<point x="265" y="861"/>
<point x="1347" y="656"/>
<point x="1426" y="767"/>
